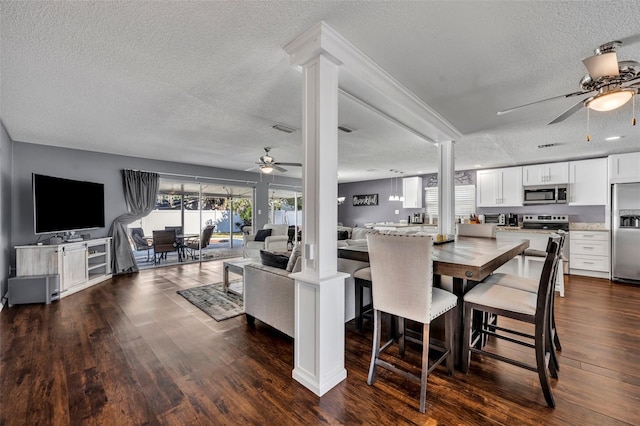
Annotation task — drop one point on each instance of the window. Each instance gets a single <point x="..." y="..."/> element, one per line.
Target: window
<point x="465" y="200"/>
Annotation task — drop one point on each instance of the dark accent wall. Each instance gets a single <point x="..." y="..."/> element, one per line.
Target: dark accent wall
<point x="6" y="170"/>
<point x="106" y="169"/>
<point x="586" y="214"/>
<point x="351" y="215"/>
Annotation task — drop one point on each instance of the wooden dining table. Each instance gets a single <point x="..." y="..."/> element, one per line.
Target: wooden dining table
<point x="467" y="260"/>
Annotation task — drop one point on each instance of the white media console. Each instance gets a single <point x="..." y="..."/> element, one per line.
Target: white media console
<point x="79" y="264"/>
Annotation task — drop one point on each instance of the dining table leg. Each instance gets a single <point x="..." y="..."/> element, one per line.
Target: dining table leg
<point x="458" y="291"/>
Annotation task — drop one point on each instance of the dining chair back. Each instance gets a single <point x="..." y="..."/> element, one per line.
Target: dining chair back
<point x="402" y="286"/>
<point x="482" y="230"/>
<point x="519" y="305"/>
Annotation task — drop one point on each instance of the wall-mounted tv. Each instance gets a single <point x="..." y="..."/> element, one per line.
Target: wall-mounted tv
<point x="61" y="205"/>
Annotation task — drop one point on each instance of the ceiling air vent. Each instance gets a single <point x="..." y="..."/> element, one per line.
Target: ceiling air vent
<point x="345" y="129"/>
<point x="284" y="128"/>
<point x="549" y="145"/>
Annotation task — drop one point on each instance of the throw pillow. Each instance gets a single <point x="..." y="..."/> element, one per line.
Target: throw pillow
<point x="295" y="254"/>
<point x="343" y="235"/>
<point x="275" y="260"/>
<point x="262" y="234"/>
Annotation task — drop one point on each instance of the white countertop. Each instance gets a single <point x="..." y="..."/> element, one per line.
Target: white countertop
<point x="577" y="226"/>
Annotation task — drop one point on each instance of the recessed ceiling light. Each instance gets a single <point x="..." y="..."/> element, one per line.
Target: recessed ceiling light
<point x="477" y="165"/>
<point x="613" y="138"/>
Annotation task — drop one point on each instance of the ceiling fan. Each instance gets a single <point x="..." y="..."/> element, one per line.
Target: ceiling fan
<point x="608" y="85"/>
<point x="268" y="164"/>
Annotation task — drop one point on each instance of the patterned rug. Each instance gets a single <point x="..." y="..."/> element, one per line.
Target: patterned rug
<point x="211" y="300"/>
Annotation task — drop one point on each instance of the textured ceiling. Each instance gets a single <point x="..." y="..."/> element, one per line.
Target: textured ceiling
<point x="203" y="82"/>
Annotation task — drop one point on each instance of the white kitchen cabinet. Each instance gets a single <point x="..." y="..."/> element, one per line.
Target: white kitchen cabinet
<point x="589" y="254"/>
<point x="499" y="187"/>
<point x="79" y="264"/>
<point x="624" y="168"/>
<point x="412" y="192"/>
<point x="545" y="174"/>
<point x="588" y="182"/>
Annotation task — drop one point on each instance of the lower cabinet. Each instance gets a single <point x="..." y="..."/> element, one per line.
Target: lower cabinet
<point x="79" y="264"/>
<point x="589" y="253"/>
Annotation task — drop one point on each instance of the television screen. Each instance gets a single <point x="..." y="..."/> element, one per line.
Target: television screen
<point x="61" y="205"/>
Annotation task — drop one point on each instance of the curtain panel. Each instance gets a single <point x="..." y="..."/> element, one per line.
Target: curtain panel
<point x="140" y="192"/>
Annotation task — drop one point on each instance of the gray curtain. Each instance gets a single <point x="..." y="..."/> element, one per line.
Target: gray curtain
<point x="140" y="191"/>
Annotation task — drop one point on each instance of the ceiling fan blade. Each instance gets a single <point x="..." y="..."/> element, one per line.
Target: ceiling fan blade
<point x="602" y="65"/>
<point x="630" y="40"/>
<point x="631" y="82"/>
<point x="568" y="95"/>
<point x="289" y="164"/>
<point x="251" y="168"/>
<point x="278" y="168"/>
<point x="568" y="112"/>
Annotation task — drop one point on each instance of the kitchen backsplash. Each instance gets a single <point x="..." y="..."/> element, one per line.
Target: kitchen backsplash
<point x="585" y="214"/>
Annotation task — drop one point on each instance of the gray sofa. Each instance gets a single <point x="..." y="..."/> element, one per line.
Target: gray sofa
<point x="269" y="294"/>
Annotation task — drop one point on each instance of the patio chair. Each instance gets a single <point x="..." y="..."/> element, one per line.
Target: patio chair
<point x="140" y="243"/>
<point x="165" y="242"/>
<point x="193" y="244"/>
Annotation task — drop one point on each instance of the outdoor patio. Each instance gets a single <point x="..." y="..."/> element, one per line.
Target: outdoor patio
<point x="218" y="248"/>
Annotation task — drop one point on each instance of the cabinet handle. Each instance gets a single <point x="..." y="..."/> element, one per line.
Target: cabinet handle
<point x="587" y="263"/>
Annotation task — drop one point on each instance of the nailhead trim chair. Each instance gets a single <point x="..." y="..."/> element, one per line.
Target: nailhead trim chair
<point x="402" y="273"/>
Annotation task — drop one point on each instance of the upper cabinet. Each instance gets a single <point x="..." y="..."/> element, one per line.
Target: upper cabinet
<point x="588" y="182"/>
<point x="412" y="192"/>
<point x="624" y="168"/>
<point x="499" y="187"/>
<point x="545" y="174"/>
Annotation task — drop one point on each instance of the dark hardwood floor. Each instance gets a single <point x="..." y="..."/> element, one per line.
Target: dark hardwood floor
<point x="131" y="351"/>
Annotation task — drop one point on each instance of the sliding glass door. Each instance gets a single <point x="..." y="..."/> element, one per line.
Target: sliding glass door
<point x="206" y="217"/>
<point x="285" y="207"/>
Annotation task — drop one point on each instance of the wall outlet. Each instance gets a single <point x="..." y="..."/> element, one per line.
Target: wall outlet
<point x="259" y="211"/>
<point x="397" y="211"/>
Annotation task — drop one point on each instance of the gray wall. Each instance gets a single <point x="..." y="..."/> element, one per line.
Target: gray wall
<point x="587" y="214"/>
<point x="105" y="169"/>
<point x="6" y="146"/>
<point x="351" y="215"/>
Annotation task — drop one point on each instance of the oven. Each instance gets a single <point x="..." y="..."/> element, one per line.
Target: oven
<point x="548" y="194"/>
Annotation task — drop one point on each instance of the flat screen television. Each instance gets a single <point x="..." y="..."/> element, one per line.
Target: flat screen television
<point x="61" y="205"/>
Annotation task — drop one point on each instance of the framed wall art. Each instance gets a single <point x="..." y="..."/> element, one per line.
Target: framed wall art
<point x="365" y="200"/>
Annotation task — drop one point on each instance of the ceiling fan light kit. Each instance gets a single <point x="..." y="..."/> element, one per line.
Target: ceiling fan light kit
<point x="268" y="164"/>
<point x="609" y="101"/>
<point x="615" y="83"/>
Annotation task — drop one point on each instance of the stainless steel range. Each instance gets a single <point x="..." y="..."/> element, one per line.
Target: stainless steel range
<point x="545" y="221"/>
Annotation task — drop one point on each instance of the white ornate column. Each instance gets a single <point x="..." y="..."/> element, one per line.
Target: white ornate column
<point x="446" y="188"/>
<point x="319" y="288"/>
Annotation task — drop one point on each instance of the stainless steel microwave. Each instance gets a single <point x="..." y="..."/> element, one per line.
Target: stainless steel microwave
<point x="547" y="194"/>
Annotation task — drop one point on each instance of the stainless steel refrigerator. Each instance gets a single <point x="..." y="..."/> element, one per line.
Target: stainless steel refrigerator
<point x="625" y="221"/>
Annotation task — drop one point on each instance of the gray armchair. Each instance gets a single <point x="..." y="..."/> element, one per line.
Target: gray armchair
<point x="276" y="242"/>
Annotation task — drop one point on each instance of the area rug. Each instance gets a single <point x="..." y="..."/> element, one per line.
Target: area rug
<point x="211" y="300"/>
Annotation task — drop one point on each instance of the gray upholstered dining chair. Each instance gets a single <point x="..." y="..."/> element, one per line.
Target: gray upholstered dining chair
<point x="402" y="277"/>
<point x="519" y="305"/>
<point x="482" y="230"/>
